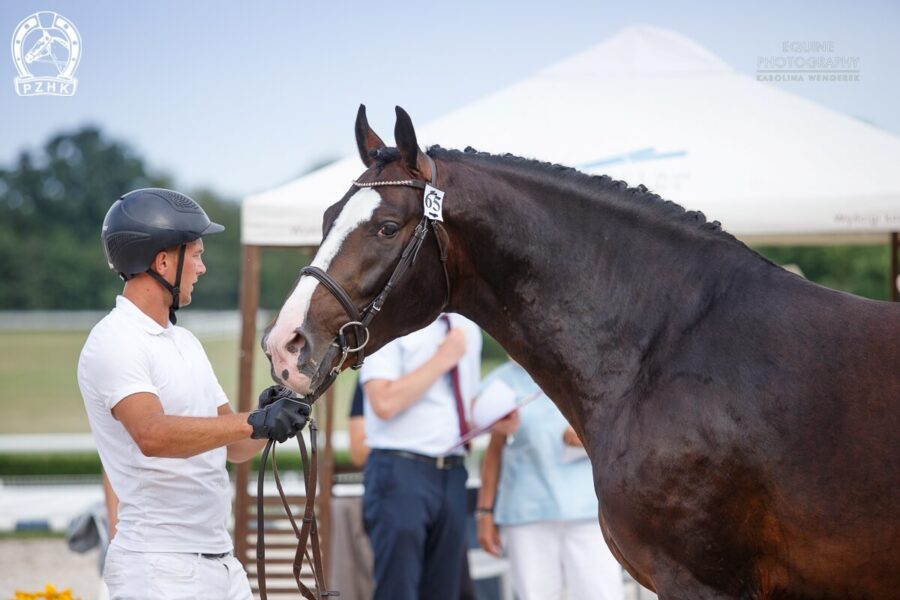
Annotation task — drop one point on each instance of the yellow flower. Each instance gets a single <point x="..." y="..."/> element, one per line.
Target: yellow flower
<point x="49" y="593"/>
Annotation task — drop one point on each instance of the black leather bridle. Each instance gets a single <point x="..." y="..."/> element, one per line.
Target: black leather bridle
<point x="360" y="320"/>
<point x="307" y="532"/>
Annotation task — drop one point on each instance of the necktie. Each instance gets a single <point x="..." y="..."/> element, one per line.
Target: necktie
<point x="457" y="392"/>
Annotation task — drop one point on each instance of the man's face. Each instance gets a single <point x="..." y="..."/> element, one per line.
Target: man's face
<point x="191" y="271"/>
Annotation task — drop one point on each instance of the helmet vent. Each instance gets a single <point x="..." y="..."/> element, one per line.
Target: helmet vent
<point x="116" y="242"/>
<point x="179" y="201"/>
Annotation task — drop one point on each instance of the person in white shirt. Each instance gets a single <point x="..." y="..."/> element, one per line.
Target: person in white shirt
<point x="417" y="389"/>
<point x="161" y="421"/>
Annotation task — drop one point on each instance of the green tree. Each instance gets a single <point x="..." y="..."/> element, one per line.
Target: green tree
<point x="52" y="203"/>
<point x="861" y="270"/>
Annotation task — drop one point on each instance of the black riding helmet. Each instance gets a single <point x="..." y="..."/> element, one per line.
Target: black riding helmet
<point x="142" y="223"/>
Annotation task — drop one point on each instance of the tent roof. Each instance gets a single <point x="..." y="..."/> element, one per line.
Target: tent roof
<point x="651" y="106"/>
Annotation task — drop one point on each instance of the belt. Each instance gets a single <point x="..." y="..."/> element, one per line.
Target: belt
<point x="438" y="462"/>
<point x="215" y="556"/>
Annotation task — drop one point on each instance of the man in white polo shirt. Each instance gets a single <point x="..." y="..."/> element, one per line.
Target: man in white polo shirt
<point x="414" y="507"/>
<point x="161" y="421"/>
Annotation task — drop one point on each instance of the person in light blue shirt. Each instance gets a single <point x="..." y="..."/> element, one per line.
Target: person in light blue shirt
<point x="537" y="495"/>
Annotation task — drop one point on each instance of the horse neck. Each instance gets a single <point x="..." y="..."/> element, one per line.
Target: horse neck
<point x="578" y="286"/>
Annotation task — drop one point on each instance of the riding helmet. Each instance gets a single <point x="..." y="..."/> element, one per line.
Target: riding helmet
<point x="145" y="222"/>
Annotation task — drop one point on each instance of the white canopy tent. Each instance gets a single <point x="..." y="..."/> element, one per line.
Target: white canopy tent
<point x="648" y="106"/>
<point x="651" y="106"/>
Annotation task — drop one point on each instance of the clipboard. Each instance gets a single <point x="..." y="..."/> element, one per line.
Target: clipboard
<point x="502" y="404"/>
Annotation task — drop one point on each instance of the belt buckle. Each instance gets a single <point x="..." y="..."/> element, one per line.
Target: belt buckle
<point x="439" y="463"/>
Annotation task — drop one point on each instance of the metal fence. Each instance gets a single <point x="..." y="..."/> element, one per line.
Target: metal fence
<point x="200" y="322"/>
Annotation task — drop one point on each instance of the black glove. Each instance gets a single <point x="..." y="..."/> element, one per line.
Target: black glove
<point x="280" y="420"/>
<point x="273" y="393"/>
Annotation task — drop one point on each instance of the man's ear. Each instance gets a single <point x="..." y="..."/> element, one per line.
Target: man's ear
<point x="162" y="262"/>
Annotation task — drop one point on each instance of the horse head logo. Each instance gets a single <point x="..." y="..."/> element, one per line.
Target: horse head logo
<point x="46" y="49"/>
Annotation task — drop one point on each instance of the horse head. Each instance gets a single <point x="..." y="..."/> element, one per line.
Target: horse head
<point x="374" y="244"/>
<point x="40" y="49"/>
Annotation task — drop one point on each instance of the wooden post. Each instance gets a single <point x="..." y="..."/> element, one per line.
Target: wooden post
<point x="249" y="306"/>
<point x="895" y="266"/>
<point x="327" y="481"/>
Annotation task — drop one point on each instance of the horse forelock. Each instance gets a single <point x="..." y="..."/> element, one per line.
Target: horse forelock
<point x="384" y="156"/>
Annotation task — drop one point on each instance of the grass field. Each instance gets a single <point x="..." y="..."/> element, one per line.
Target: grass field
<point x="39" y="392"/>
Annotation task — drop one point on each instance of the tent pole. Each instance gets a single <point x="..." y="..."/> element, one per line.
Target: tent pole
<point x="327" y="475"/>
<point x="895" y="266"/>
<point x="249" y="306"/>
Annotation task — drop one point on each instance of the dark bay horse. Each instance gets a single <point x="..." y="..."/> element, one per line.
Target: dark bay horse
<point x="743" y="423"/>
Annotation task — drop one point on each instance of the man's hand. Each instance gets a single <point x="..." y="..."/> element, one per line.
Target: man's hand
<point x="489" y="535"/>
<point x="280" y="420"/>
<point x="452" y="348"/>
<point x="570" y="438"/>
<point x="273" y="393"/>
<point x="508" y="425"/>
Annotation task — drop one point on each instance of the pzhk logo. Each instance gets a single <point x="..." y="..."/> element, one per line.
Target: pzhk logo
<point x="46" y="48"/>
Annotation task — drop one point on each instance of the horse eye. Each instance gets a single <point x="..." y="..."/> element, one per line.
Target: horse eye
<point x="388" y="230"/>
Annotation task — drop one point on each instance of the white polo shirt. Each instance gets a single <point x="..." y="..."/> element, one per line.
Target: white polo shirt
<point x="165" y="504"/>
<point x="430" y="426"/>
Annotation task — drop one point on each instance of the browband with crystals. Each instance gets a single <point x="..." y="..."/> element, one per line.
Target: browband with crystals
<point x="416" y="183"/>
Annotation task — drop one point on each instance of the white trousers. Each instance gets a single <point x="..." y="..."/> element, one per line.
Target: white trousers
<point x="173" y="576"/>
<point x="553" y="560"/>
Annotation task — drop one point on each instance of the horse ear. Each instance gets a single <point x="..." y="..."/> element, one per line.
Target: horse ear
<point x="366" y="139"/>
<point x="405" y="137"/>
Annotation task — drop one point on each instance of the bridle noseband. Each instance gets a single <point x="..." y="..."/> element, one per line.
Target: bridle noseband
<point x="360" y="320"/>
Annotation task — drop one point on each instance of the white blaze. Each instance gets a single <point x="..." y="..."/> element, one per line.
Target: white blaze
<point x="358" y="209"/>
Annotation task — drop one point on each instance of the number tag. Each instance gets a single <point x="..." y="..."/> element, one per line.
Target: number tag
<point x="434" y="203"/>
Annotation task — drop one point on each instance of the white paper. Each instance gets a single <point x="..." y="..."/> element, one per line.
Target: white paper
<point x="495" y="402"/>
<point x="486" y="412"/>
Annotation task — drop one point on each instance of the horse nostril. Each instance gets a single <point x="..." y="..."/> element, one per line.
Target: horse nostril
<point x="296" y="343"/>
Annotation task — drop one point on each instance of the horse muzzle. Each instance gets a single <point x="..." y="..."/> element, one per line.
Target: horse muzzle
<point x="311" y="378"/>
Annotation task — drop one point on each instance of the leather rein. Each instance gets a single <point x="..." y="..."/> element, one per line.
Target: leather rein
<point x="307" y="533"/>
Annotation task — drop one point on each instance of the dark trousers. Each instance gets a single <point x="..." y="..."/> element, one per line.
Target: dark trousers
<point x="414" y="515"/>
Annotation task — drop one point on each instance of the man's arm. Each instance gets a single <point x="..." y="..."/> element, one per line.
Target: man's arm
<point x="488" y="535"/>
<point x="389" y="398"/>
<point x="161" y="435"/>
<point x="243" y="450"/>
<point x="112" y="506"/>
<point x="359" y="452"/>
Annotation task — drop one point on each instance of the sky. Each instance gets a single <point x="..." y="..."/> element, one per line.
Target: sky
<point x="240" y="97"/>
